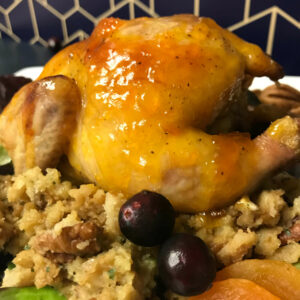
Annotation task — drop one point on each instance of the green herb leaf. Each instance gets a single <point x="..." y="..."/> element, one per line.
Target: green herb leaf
<point x="297" y="265"/>
<point x="4" y="158"/>
<point x="111" y="273"/>
<point x="11" y="266"/>
<point x="31" y="293"/>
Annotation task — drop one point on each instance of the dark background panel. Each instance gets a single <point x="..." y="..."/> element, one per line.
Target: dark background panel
<point x="226" y="13"/>
<point x="249" y="32"/>
<point x="94" y="7"/>
<point x="21" y="21"/>
<point x="292" y="7"/>
<point x="53" y="16"/>
<point x="48" y="24"/>
<point x="64" y="5"/>
<point x="167" y="8"/>
<point x="286" y="46"/>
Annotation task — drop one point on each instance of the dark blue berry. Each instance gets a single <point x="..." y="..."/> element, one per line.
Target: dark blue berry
<point x="186" y="265"/>
<point x="147" y="219"/>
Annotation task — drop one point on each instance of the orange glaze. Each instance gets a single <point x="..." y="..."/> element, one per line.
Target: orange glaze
<point x="148" y="88"/>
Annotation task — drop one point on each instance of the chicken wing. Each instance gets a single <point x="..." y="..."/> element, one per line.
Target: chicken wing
<point x="35" y="128"/>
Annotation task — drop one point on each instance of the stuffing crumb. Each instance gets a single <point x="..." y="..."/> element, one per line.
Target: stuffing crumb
<point x="68" y="237"/>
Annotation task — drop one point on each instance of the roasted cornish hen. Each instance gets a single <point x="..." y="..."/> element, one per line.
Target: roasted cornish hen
<point x="130" y="107"/>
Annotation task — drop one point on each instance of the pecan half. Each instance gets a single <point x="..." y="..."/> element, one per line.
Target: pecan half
<point x="59" y="258"/>
<point x="280" y="95"/>
<point x="77" y="240"/>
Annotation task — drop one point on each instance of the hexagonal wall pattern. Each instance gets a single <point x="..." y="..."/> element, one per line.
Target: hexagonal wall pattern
<point x="272" y="24"/>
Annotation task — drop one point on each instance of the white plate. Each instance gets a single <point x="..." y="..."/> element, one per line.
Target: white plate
<point x="30" y="72"/>
<point x="258" y="83"/>
<point x="262" y="82"/>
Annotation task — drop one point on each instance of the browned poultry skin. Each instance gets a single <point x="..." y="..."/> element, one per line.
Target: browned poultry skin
<point x="36" y="126"/>
<point x="149" y="89"/>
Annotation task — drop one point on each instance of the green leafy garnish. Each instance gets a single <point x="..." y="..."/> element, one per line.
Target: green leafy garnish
<point x="30" y="293"/>
<point x="11" y="266"/>
<point x="297" y="265"/>
<point x="4" y="157"/>
<point x="111" y="273"/>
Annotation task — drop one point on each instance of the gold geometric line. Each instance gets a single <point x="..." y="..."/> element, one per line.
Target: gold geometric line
<point x="34" y="40"/>
<point x="6" y="13"/>
<point x="112" y="4"/>
<point x="144" y="7"/>
<point x="51" y="9"/>
<point x="151" y="5"/>
<point x="77" y="34"/>
<point x="70" y="12"/>
<point x="42" y="41"/>
<point x="87" y="15"/>
<point x="131" y="10"/>
<point x="13" y="6"/>
<point x="121" y="4"/>
<point x="7" y="21"/>
<point x="247" y="9"/>
<point x="10" y="33"/>
<point x="62" y="17"/>
<point x="271" y="34"/>
<point x="288" y="17"/>
<point x="0" y="35"/>
<point x="76" y="3"/>
<point x="104" y="15"/>
<point x="196" y="7"/>
<point x="263" y="13"/>
<point x="34" y="22"/>
<point x="64" y="30"/>
<point x="251" y="19"/>
<point x="111" y="11"/>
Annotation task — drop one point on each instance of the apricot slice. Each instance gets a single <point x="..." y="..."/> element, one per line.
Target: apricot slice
<point x="236" y="289"/>
<point x="280" y="278"/>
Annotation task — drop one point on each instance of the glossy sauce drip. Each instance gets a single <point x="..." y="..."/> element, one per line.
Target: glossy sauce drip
<point x="139" y="109"/>
<point x="149" y="87"/>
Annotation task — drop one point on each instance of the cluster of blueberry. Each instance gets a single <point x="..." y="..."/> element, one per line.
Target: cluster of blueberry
<point x="185" y="264"/>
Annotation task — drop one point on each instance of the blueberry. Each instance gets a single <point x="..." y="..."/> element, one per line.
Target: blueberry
<point x="186" y="265"/>
<point x="147" y="219"/>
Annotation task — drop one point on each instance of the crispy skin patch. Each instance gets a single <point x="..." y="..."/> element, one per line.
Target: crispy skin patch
<point x="36" y="127"/>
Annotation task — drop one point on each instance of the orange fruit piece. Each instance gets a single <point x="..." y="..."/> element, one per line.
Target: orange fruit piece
<point x="280" y="278"/>
<point x="235" y="289"/>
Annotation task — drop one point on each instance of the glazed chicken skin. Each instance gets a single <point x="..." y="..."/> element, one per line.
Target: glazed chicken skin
<point x="149" y="89"/>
